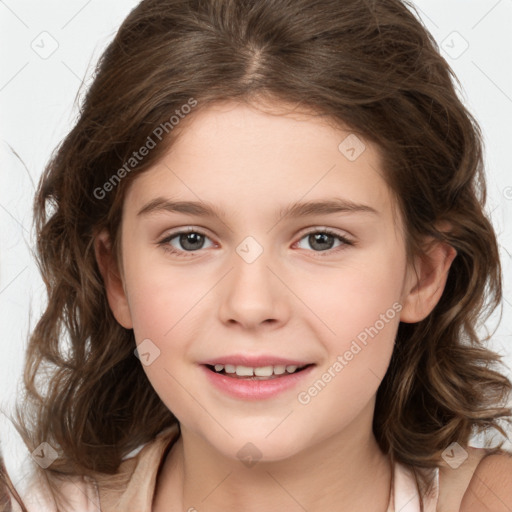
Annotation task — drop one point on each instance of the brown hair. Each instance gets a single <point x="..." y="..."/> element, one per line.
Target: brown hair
<point x="6" y="488"/>
<point x="368" y="65"/>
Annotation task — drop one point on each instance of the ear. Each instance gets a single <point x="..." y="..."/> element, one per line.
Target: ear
<point x="112" y="278"/>
<point x="424" y="288"/>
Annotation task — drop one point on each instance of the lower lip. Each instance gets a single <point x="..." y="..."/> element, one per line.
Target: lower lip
<point x="247" y="389"/>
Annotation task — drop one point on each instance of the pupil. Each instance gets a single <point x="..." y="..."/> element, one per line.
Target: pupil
<point x="188" y="239"/>
<point x="320" y="238"/>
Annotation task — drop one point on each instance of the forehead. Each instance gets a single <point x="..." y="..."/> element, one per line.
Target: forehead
<point x="266" y="156"/>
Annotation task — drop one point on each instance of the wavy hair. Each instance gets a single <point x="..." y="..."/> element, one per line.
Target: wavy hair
<point x="368" y="65"/>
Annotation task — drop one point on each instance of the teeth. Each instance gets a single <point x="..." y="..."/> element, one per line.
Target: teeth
<point x="262" y="371"/>
<point x="244" y="371"/>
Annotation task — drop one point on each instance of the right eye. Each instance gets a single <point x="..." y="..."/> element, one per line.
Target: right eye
<point x="191" y="240"/>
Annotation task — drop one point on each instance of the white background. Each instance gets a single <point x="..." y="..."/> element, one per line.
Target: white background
<point x="37" y="95"/>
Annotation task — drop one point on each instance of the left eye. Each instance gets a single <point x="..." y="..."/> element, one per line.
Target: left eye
<point x="324" y="240"/>
<point x="192" y="240"/>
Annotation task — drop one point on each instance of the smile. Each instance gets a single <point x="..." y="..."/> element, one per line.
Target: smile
<point x="255" y="373"/>
<point x="255" y="382"/>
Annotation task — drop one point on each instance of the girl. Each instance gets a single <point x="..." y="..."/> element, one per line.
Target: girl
<point x="265" y="244"/>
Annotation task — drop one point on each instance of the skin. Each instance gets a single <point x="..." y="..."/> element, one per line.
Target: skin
<point x="294" y="301"/>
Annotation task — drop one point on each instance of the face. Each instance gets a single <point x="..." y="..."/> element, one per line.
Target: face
<point x="254" y="285"/>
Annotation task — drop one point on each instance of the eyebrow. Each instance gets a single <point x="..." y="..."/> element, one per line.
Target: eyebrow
<point x="297" y="209"/>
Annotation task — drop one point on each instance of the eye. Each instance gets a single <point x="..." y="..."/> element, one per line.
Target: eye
<point x="322" y="240"/>
<point x="190" y="240"/>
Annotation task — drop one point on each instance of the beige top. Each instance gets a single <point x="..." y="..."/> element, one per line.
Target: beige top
<point x="140" y="474"/>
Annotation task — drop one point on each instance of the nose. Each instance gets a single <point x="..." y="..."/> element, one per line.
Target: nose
<point x="252" y="294"/>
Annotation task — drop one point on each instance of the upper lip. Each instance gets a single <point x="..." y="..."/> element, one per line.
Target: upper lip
<point x="255" y="361"/>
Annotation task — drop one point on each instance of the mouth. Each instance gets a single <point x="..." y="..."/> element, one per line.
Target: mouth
<point x="269" y="372"/>
<point x="255" y="377"/>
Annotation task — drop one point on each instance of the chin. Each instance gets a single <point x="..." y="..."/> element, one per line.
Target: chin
<point x="274" y="448"/>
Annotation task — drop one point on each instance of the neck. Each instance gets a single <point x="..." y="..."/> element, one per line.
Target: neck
<point x="344" y="472"/>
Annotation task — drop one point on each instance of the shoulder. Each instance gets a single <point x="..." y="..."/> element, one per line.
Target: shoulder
<point x="490" y="488"/>
<point x="132" y="487"/>
<point x="458" y="482"/>
<point x="77" y="493"/>
<point x="128" y="489"/>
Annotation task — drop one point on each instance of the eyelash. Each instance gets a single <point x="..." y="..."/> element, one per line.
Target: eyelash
<point x="169" y="249"/>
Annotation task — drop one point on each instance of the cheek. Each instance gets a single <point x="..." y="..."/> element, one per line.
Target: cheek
<point x="164" y="308"/>
<point x="360" y="312"/>
<point x="162" y="299"/>
<point x="359" y="296"/>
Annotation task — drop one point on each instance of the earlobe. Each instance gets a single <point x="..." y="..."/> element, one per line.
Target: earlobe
<point x="425" y="286"/>
<point x="114" y="288"/>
